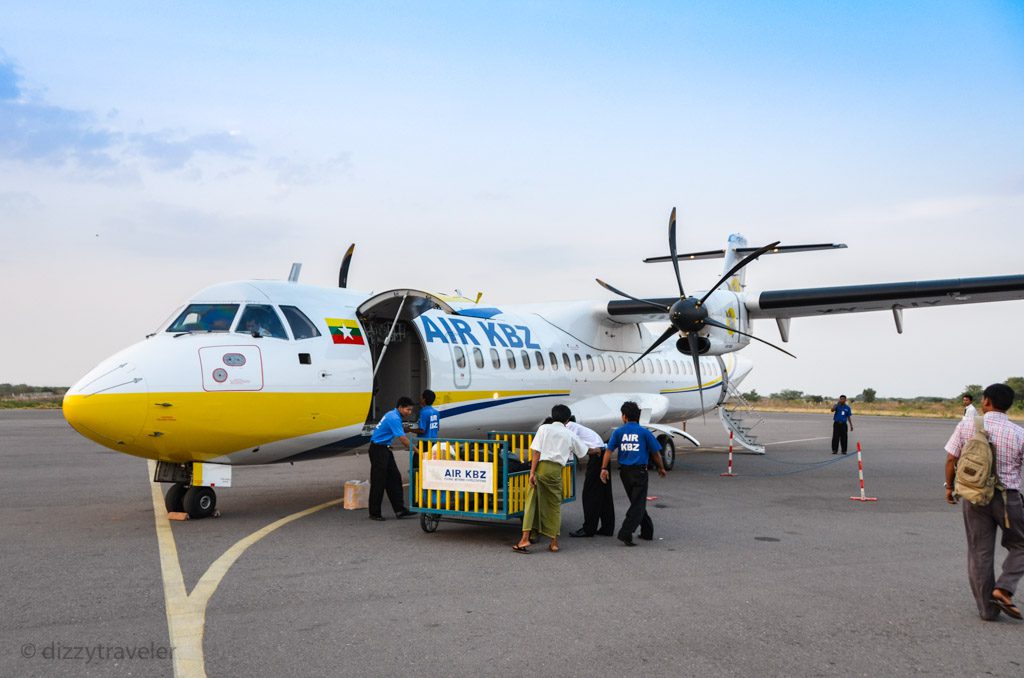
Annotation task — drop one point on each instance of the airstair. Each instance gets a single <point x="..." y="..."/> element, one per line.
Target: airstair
<point x="739" y="417"/>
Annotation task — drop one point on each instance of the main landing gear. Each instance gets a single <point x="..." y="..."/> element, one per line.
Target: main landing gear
<point x="197" y="502"/>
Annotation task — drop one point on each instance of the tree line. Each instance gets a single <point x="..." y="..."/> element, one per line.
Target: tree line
<point x="870" y="395"/>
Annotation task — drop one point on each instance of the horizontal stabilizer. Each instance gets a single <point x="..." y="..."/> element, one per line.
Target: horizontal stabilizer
<point x="743" y="251"/>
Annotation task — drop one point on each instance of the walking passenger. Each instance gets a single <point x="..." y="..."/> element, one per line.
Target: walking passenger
<point x="637" y="447"/>
<point x="552" y="447"/>
<point x="1002" y="512"/>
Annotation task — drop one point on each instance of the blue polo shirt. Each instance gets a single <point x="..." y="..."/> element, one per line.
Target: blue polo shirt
<point x="635" y="444"/>
<point x="842" y="414"/>
<point x="430" y="421"/>
<point x="389" y="428"/>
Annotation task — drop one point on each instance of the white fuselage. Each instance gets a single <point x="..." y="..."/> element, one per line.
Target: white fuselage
<point x="230" y="397"/>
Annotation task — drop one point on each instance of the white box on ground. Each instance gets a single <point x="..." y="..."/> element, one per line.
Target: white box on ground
<point x="357" y="494"/>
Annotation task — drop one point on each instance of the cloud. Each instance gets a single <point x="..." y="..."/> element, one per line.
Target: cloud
<point x="33" y="131"/>
<point x="18" y="202"/>
<point x="290" y="172"/>
<point x="167" y="151"/>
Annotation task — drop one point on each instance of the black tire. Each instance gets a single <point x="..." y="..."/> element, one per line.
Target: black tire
<point x="668" y="451"/>
<point x="174" y="498"/>
<point x="200" y="502"/>
<point x="429" y="521"/>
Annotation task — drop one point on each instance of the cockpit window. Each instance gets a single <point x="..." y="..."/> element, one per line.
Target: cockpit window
<point x="205" y="318"/>
<point x="261" y="321"/>
<point x="302" y="327"/>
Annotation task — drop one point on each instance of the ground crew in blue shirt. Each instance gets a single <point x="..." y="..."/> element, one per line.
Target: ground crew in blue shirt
<point x="637" y="448"/>
<point x="842" y="418"/>
<point x="384" y="473"/>
<point x="430" y="418"/>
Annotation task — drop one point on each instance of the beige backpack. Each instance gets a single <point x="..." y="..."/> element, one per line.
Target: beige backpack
<point x="976" y="478"/>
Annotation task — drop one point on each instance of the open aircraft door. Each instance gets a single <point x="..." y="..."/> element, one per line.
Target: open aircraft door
<point x="401" y="364"/>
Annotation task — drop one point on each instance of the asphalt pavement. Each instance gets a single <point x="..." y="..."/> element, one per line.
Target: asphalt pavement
<point x="773" y="572"/>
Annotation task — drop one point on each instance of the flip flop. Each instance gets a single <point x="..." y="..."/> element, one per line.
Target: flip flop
<point x="1007" y="606"/>
<point x="554" y="548"/>
<point x="520" y="549"/>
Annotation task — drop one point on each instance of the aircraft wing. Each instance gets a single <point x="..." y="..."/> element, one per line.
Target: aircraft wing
<point x="815" y="301"/>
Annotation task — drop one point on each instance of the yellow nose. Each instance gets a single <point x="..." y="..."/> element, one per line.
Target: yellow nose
<point x="109" y="408"/>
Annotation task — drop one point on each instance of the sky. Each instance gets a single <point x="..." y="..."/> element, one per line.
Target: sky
<point x="148" y="150"/>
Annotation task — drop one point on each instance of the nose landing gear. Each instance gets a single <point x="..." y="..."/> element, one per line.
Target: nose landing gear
<point x="190" y="488"/>
<point x="197" y="502"/>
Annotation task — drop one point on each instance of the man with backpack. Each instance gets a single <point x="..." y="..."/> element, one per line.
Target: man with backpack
<point x="984" y="463"/>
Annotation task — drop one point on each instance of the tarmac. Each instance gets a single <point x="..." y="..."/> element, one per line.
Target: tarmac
<point x="774" y="572"/>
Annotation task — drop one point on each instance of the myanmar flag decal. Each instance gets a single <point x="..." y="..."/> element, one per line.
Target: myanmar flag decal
<point x="345" y="331"/>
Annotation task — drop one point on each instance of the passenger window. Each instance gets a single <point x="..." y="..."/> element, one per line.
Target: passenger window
<point x="526" y="359"/>
<point x="554" y="360"/>
<point x="590" y="363"/>
<point x="259" y="320"/>
<point x="622" y="364"/>
<point x="600" y="362"/>
<point x="495" y="360"/>
<point x="579" y="361"/>
<point x="566" y="363"/>
<point x="661" y="367"/>
<point x="675" y="367"/>
<point x="643" y="370"/>
<point x="650" y="365"/>
<point x="632" y="366"/>
<point x="302" y="327"/>
<point x="478" y="357"/>
<point x="539" y="357"/>
<point x="510" y="358"/>
<point x="460" y="356"/>
<point x="205" y="318"/>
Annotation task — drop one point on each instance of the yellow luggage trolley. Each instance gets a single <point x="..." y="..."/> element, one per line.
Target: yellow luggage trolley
<point x="469" y="480"/>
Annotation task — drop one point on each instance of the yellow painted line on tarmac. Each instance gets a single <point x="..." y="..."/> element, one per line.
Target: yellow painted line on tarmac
<point x="186" y="612"/>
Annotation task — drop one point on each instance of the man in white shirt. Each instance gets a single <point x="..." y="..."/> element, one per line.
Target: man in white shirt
<point x="598" y="504"/>
<point x="969" y="411"/>
<point x="553" y="445"/>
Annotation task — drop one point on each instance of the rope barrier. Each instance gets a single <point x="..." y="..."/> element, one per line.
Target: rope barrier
<point x="810" y="466"/>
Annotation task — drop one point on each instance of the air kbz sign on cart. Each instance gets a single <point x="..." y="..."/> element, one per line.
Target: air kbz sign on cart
<point x="474" y="479"/>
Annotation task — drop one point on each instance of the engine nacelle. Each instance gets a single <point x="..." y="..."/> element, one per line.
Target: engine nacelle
<point x="726" y="307"/>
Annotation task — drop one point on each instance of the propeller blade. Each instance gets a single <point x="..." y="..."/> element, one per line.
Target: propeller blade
<point x="695" y="352"/>
<point x="715" y="323"/>
<point x="743" y="262"/>
<point x="661" y="340"/>
<point x="663" y="309"/>
<point x="672" y="250"/>
<point x="345" y="263"/>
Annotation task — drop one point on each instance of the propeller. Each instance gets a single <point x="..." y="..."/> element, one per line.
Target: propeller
<point x="688" y="316"/>
<point x="345" y="263"/>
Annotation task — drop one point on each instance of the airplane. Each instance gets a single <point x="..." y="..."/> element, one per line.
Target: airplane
<point x="269" y="371"/>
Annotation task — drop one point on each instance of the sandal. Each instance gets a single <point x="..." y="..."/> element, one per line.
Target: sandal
<point x="520" y="549"/>
<point x="553" y="547"/>
<point x="1005" y="603"/>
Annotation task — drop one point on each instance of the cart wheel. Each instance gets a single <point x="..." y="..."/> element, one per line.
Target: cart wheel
<point x="668" y="452"/>
<point x="429" y="521"/>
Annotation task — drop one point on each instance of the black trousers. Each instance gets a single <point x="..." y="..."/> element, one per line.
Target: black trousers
<point x="384" y="475"/>
<point x="839" y="435"/>
<point x="634" y="480"/>
<point x="598" y="504"/>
